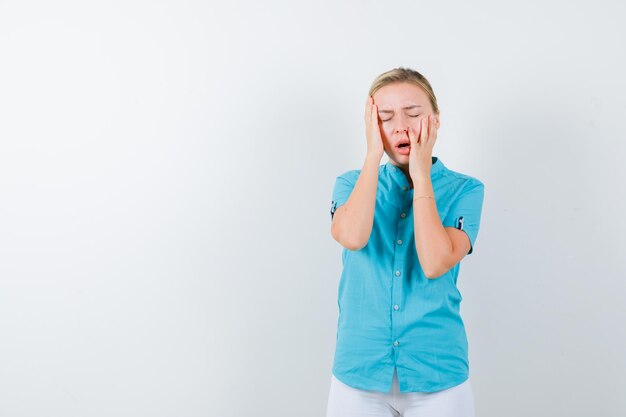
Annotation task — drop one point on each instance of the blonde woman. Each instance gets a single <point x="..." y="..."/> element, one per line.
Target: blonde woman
<point x="401" y="347"/>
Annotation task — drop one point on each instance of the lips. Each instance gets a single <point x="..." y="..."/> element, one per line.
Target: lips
<point x="403" y="147"/>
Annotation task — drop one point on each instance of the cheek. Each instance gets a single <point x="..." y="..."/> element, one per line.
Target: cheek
<point x="386" y="129"/>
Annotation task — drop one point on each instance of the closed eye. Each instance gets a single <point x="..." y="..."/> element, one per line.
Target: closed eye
<point x="386" y="120"/>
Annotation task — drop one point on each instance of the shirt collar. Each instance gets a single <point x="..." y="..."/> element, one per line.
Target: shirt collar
<point x="436" y="168"/>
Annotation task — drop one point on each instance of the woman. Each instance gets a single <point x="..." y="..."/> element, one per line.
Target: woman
<point x="401" y="346"/>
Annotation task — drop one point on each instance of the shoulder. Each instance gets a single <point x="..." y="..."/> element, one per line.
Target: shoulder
<point x="350" y="175"/>
<point x="463" y="180"/>
<point x="353" y="174"/>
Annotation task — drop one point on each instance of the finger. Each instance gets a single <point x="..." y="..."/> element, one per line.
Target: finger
<point x="429" y="128"/>
<point x="423" y="131"/>
<point x="433" y="128"/>
<point x="418" y="131"/>
<point x="412" y="138"/>
<point x="367" y="109"/>
<point x="374" y="114"/>
<point x="374" y="117"/>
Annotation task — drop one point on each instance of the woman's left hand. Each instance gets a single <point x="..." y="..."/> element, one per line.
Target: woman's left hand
<point x="422" y="142"/>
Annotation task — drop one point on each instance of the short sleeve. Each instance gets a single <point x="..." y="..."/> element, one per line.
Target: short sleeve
<point x="344" y="184"/>
<point x="465" y="211"/>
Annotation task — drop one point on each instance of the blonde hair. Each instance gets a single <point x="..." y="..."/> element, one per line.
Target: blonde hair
<point x="408" y="75"/>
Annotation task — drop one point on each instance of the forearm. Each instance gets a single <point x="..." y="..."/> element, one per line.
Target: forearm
<point x="431" y="240"/>
<point x="357" y="219"/>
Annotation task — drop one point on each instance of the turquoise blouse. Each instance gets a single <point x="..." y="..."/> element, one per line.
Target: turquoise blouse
<point x="390" y="313"/>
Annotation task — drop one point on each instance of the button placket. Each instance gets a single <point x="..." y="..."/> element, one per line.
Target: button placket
<point x="399" y="266"/>
<point x="399" y="253"/>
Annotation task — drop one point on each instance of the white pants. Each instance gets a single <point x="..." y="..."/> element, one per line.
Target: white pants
<point x="346" y="401"/>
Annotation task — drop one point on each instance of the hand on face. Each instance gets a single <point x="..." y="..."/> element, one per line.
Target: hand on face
<point x="372" y="129"/>
<point x="422" y="142"/>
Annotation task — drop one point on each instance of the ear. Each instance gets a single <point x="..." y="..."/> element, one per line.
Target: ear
<point x="438" y="122"/>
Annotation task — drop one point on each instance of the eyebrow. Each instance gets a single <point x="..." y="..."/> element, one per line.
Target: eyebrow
<point x="405" y="108"/>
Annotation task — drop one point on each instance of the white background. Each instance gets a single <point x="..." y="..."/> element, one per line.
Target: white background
<point x="166" y="171"/>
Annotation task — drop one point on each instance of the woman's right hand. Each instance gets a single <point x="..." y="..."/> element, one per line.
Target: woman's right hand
<point x="372" y="130"/>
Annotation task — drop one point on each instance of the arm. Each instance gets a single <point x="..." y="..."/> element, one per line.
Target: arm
<point x="353" y="221"/>
<point x="439" y="245"/>
<point x="438" y="248"/>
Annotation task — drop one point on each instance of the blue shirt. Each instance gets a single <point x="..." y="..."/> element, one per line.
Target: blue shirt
<point x="390" y="313"/>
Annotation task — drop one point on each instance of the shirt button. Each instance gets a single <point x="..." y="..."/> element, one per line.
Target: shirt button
<point x="396" y="343"/>
<point x="399" y="241"/>
<point x="403" y="215"/>
<point x="396" y="307"/>
<point x="397" y="273"/>
<point x="404" y="187"/>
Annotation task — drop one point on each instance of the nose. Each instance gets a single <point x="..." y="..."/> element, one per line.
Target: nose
<point x="401" y="125"/>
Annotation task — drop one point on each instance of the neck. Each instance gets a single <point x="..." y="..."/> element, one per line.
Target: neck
<point x="405" y="170"/>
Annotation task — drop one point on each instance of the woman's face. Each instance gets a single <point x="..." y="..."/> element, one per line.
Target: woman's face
<point x="399" y="105"/>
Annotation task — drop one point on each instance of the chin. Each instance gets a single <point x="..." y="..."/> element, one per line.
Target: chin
<point x="402" y="160"/>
